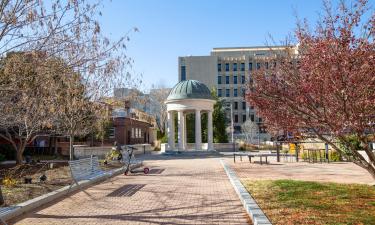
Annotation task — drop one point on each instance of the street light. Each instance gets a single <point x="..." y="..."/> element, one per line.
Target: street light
<point x="229" y="104"/>
<point x="259" y="124"/>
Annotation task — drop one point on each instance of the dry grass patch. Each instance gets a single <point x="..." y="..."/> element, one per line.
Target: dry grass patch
<point x="57" y="177"/>
<point x="301" y="202"/>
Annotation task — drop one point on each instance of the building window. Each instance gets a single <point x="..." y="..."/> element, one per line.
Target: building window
<point x="227" y="92"/>
<point x="219" y="67"/>
<point x="235" y="105"/>
<point x="243" y="79"/>
<point x="226" y="66"/>
<point x="250" y="66"/>
<point x="258" y="66"/>
<point x="234" y="66"/>
<point x="227" y="79"/>
<point x="243" y="92"/>
<point x="243" y="105"/>
<point x="234" y="79"/>
<point x="218" y="79"/>
<point x="242" y="67"/>
<point x="112" y="132"/>
<point x="243" y="118"/>
<point x="183" y="73"/>
<point x="133" y="132"/>
<point x="266" y="64"/>
<point x="236" y="118"/>
<point x="252" y="118"/>
<point x="235" y="92"/>
<point x="259" y="120"/>
<point x="219" y="92"/>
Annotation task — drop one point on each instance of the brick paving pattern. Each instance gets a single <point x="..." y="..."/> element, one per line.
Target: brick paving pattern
<point x="186" y="191"/>
<point x="339" y="172"/>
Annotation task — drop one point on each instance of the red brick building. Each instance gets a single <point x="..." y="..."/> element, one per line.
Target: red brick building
<point x="128" y="131"/>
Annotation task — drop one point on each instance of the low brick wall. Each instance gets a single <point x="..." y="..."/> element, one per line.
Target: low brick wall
<point x="86" y="151"/>
<point x="220" y="147"/>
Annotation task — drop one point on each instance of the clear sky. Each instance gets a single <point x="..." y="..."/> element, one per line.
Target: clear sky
<point x="172" y="28"/>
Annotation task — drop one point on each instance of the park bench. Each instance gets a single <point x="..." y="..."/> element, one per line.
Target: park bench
<point x="4" y="211"/>
<point x="260" y="155"/>
<point x="251" y="155"/>
<point x="86" y="169"/>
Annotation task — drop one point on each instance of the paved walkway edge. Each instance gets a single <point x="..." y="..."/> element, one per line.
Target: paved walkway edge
<point x="252" y="208"/>
<point x="24" y="207"/>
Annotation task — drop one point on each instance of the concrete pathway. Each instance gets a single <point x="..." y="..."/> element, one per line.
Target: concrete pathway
<point x="178" y="191"/>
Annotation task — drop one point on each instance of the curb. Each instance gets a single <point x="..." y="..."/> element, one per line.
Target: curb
<point x="34" y="203"/>
<point x="252" y="208"/>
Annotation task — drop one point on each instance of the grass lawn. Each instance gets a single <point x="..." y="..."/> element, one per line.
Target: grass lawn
<point x="303" y="202"/>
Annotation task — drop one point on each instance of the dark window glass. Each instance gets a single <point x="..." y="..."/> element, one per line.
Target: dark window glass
<point x="243" y="92"/>
<point x="243" y="79"/>
<point x="236" y="118"/>
<point x="259" y="120"/>
<point x="219" y="79"/>
<point x="252" y="117"/>
<point x="227" y="92"/>
<point x="267" y="65"/>
<point x="183" y="73"/>
<point x="250" y="66"/>
<point x="234" y="79"/>
<point x="234" y="66"/>
<point x="258" y="66"/>
<point x="235" y="105"/>
<point x="226" y="66"/>
<point x="243" y="118"/>
<point x="242" y="67"/>
<point x="219" y="67"/>
<point x="235" y="92"/>
<point x="243" y="105"/>
<point x="227" y="79"/>
<point x="219" y="92"/>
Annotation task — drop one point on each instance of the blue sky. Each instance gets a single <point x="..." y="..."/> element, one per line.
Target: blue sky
<point x="172" y="28"/>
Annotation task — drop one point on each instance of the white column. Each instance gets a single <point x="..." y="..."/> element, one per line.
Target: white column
<point x="184" y="144"/>
<point x="180" y="129"/>
<point x="198" y="135"/>
<point x="209" y="131"/>
<point x="171" y="130"/>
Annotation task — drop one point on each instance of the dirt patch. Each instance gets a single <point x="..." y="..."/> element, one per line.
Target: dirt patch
<point x="57" y="176"/>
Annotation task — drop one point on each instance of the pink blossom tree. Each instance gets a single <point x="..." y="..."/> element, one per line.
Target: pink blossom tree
<point x="326" y="83"/>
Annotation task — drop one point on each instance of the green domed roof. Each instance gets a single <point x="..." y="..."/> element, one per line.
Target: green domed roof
<point x="189" y="89"/>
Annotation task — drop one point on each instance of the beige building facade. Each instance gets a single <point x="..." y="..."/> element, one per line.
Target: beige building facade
<point x="228" y="70"/>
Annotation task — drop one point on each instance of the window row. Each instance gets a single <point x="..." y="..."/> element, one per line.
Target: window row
<point x="234" y="79"/>
<point x="136" y="133"/>
<point x="242" y="66"/>
<point x="254" y="119"/>
<point x="236" y="118"/>
<point x="228" y="92"/>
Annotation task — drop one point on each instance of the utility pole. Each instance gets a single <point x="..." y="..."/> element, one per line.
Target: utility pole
<point x="231" y="124"/>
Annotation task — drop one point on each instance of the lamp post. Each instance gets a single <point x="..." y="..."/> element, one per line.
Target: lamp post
<point x="259" y="123"/>
<point x="229" y="104"/>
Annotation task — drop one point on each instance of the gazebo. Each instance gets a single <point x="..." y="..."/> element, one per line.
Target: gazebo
<point x="189" y="96"/>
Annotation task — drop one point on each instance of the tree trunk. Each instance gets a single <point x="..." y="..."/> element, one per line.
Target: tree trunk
<point x="371" y="170"/>
<point x="2" y="202"/>
<point x="71" y="148"/>
<point x="19" y="154"/>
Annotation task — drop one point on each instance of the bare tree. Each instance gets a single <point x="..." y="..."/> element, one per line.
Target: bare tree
<point x="250" y="129"/>
<point x="65" y="31"/>
<point x="158" y="95"/>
